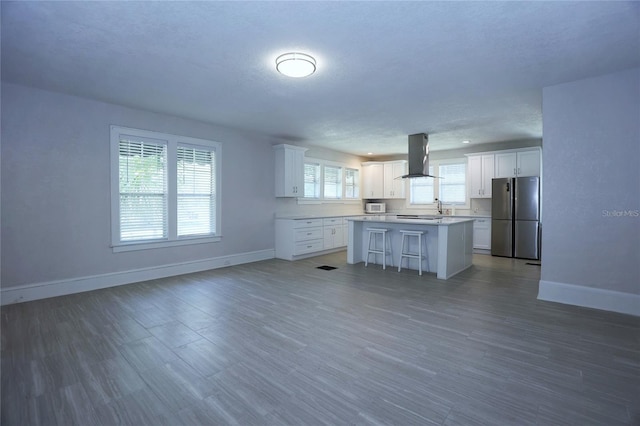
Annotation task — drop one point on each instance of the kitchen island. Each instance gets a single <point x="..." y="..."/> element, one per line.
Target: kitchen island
<point x="449" y="241"/>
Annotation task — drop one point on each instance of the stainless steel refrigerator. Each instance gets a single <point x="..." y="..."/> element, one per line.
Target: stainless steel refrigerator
<point x="515" y="217"/>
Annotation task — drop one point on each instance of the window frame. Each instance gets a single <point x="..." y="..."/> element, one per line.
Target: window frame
<point x="356" y="183"/>
<point x="462" y="161"/>
<point x="339" y="184"/>
<point x="317" y="184"/>
<point x="172" y="143"/>
<point x="436" y="187"/>
<point x="410" y="189"/>
<point x="343" y="168"/>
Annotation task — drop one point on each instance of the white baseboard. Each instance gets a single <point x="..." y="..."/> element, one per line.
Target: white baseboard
<point x="571" y="294"/>
<point x="27" y="292"/>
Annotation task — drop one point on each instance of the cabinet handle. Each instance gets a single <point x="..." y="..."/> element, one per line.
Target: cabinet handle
<point x="518" y="170"/>
<point x="514" y="171"/>
<point x="309" y="233"/>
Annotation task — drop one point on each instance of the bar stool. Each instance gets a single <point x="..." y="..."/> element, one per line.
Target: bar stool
<point x="386" y="244"/>
<point x="411" y="255"/>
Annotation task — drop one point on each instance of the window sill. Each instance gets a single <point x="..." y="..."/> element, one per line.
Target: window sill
<point x="124" y="247"/>
<point x="303" y="201"/>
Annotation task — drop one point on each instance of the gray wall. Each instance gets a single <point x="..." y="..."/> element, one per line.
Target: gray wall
<point x="591" y="166"/>
<point x="56" y="188"/>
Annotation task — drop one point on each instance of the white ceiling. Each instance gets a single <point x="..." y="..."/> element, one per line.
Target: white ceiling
<point x="455" y="70"/>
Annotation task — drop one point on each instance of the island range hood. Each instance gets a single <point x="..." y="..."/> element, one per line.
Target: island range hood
<point x="418" y="156"/>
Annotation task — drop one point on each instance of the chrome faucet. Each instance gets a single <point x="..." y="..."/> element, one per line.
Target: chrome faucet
<point x="439" y="206"/>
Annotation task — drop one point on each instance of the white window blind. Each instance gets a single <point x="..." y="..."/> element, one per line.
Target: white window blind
<point x="196" y="191"/>
<point x="452" y="188"/>
<point x="351" y="183"/>
<point x="311" y="180"/>
<point x="165" y="190"/>
<point x="332" y="182"/>
<point x="422" y="189"/>
<point x="142" y="167"/>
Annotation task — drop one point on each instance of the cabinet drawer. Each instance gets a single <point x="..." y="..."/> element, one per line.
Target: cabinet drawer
<point x="306" y="223"/>
<point x="332" y="221"/>
<point x="305" y="234"/>
<point x="308" y="246"/>
<point x="481" y="223"/>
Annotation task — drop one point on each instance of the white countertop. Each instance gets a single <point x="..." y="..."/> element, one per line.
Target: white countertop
<point x="320" y="216"/>
<point x="314" y="216"/>
<point x="436" y="221"/>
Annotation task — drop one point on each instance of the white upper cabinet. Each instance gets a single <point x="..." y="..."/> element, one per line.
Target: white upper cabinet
<point x="394" y="187"/>
<point x="528" y="163"/>
<point x="517" y="164"/>
<point x="481" y="171"/>
<point x="379" y="179"/>
<point x="289" y="164"/>
<point x="505" y="165"/>
<point x="372" y="180"/>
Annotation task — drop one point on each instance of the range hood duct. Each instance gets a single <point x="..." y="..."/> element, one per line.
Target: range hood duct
<point x="418" y="156"/>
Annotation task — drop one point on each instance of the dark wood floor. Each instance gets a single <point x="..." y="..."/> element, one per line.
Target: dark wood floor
<point x="279" y="342"/>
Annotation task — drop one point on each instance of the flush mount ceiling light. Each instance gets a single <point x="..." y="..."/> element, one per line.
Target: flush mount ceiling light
<point x="295" y="64"/>
<point x="466" y="141"/>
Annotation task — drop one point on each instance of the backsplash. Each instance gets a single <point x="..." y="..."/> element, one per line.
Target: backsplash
<point x="479" y="206"/>
<point x="290" y="207"/>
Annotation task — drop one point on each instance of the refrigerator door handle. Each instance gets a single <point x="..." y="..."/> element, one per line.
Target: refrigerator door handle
<point x="508" y="185"/>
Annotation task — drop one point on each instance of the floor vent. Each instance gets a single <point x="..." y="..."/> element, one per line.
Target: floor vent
<point x="327" y="267"/>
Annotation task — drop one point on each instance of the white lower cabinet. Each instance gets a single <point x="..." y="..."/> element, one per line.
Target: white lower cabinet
<point x="332" y="232"/>
<point x="482" y="234"/>
<point x="299" y="238"/>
